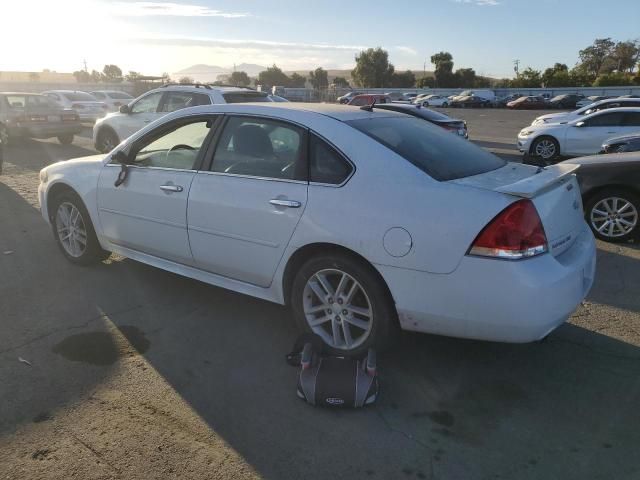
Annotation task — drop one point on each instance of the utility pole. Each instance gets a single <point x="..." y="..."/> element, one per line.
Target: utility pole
<point x="85" y="64"/>
<point x="516" y="67"/>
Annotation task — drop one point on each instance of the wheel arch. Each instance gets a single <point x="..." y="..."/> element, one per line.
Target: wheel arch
<point x="300" y="256"/>
<point x="589" y="195"/>
<point x="101" y="130"/>
<point x="56" y="190"/>
<point x="544" y="135"/>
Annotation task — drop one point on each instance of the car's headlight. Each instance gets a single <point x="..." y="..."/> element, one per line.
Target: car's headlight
<point x="44" y="176"/>
<point x="525" y="133"/>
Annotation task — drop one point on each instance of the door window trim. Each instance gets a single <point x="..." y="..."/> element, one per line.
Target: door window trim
<point x="338" y="151"/>
<point x="155" y="134"/>
<point x="207" y="164"/>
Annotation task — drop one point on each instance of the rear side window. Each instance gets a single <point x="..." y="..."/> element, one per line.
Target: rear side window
<point x="244" y="97"/>
<point x="631" y="119"/>
<point x="438" y="153"/>
<point x="605" y="120"/>
<point x="79" y="97"/>
<point x="179" y="100"/>
<point x="326" y="165"/>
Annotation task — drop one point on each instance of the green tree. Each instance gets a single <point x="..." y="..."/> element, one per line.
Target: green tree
<point x="595" y="59"/>
<point x="614" y="79"/>
<point x="403" y="80"/>
<point x="557" y="76"/>
<point x="465" y="77"/>
<point x="112" y="73"/>
<point x="82" y="76"/>
<point x="625" y="55"/>
<point x="373" y="68"/>
<point x="96" y="76"/>
<point x="425" y="82"/>
<point x="341" y="82"/>
<point x="131" y="76"/>
<point x="297" y="81"/>
<point x="319" y="78"/>
<point x="529" y="78"/>
<point x="185" y="80"/>
<point x="239" y="79"/>
<point x="445" y="78"/>
<point x="272" y="77"/>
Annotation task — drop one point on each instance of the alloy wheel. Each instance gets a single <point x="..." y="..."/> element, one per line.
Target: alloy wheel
<point x="545" y="149"/>
<point x="614" y="217"/>
<point x="71" y="229"/>
<point x="338" y="309"/>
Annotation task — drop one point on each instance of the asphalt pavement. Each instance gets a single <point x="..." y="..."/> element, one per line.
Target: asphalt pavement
<point x="122" y="370"/>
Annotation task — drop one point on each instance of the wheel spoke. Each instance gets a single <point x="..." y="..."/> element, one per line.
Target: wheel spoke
<point x="365" y="312"/>
<point x="626" y="222"/>
<point x="603" y="226"/>
<point x="320" y="321"/>
<point x="346" y="331"/>
<point x="357" y="322"/>
<point x="335" y="327"/>
<point x="316" y="309"/>
<point x="610" y="231"/>
<point x="322" y="296"/>
<point x="325" y="284"/>
<point x="351" y="293"/>
<point x="599" y="212"/>
<point x="624" y="207"/>
<point x="341" y="284"/>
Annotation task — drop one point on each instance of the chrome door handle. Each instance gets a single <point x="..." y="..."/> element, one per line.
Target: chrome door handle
<point x="171" y="188"/>
<point x="285" y="203"/>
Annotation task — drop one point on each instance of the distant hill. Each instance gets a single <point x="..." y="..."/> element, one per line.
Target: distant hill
<point x="209" y="73"/>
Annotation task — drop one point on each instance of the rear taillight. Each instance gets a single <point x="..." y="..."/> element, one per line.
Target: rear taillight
<point x="515" y="233"/>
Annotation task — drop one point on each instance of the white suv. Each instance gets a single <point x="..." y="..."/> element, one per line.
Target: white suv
<point x="112" y="129"/>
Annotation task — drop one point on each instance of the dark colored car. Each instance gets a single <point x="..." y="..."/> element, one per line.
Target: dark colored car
<point x="528" y="103"/>
<point x="453" y="125"/>
<point x="610" y="188"/>
<point x="32" y="115"/>
<point x="470" y="101"/>
<point x="623" y="143"/>
<point x="347" y="97"/>
<point x="502" y="101"/>
<point x="565" y="101"/>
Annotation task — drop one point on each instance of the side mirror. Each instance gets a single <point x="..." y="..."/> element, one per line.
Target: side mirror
<point x="121" y="157"/>
<point x="579" y="125"/>
<point x="125" y="109"/>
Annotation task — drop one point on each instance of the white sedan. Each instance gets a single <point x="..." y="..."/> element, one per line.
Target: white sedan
<point x="581" y="136"/>
<point x="432" y="101"/>
<point x="362" y="221"/>
<point x="591" y="108"/>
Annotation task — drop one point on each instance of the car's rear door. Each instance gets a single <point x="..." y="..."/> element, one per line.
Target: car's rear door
<point x="148" y="212"/>
<point x="245" y="207"/>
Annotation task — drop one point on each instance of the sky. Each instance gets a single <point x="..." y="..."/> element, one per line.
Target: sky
<point x="158" y="36"/>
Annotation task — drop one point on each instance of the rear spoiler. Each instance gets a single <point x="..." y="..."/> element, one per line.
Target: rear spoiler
<point x="536" y="184"/>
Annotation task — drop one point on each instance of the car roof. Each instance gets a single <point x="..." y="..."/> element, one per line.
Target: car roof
<point x="338" y="112"/>
<point x="608" y="159"/>
<point x="204" y="89"/>
<point x="612" y="110"/>
<point x="613" y="100"/>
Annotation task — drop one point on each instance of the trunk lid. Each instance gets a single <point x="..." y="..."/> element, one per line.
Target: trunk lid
<point x="553" y="190"/>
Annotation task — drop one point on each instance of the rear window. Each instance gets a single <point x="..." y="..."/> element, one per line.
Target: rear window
<point x="79" y="97"/>
<point x="438" y="153"/>
<point x="244" y="97"/>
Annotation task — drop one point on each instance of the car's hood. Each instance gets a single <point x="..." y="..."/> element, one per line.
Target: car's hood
<point x="622" y="138"/>
<point x="91" y="159"/>
<point x="554" y="117"/>
<point x="631" y="157"/>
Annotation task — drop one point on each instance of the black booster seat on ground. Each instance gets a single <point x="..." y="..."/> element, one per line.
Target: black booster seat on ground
<point x="334" y="381"/>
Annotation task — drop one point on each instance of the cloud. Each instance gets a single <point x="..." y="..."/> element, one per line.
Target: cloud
<point x="404" y="49"/>
<point x="246" y="44"/>
<point x="145" y="9"/>
<point x="481" y="3"/>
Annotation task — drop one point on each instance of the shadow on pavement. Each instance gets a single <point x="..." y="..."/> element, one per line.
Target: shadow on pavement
<point x="30" y="154"/>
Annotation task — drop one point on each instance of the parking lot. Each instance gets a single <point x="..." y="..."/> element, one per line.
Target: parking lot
<point x="127" y="371"/>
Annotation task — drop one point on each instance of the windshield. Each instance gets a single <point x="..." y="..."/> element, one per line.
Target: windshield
<point x="439" y="154"/>
<point x="79" y="97"/>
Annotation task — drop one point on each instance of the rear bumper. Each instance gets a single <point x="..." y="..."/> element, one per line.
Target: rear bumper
<point x="496" y="300"/>
<point x="45" y="131"/>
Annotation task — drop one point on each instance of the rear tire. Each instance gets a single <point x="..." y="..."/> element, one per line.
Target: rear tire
<point x="73" y="230"/>
<point x="345" y="302"/>
<point x="614" y="214"/>
<point x="107" y="140"/>
<point x="65" y="139"/>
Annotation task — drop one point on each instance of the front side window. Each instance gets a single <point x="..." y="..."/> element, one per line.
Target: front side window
<point x="326" y="165"/>
<point x="439" y="154"/>
<point x="99" y="95"/>
<point x="605" y="120"/>
<point x="261" y="148"/>
<point x="147" y="104"/>
<point x="178" y="148"/>
<point x="179" y="100"/>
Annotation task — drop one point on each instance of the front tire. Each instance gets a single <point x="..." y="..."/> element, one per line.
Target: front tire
<point x="107" y="140"/>
<point x="345" y="302"/>
<point x="613" y="215"/>
<point x="546" y="148"/>
<point x="73" y="230"/>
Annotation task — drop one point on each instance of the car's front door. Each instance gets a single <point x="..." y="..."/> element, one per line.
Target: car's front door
<point x="586" y="137"/>
<point x="243" y="211"/>
<point x="148" y="212"/>
<point x="142" y="112"/>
